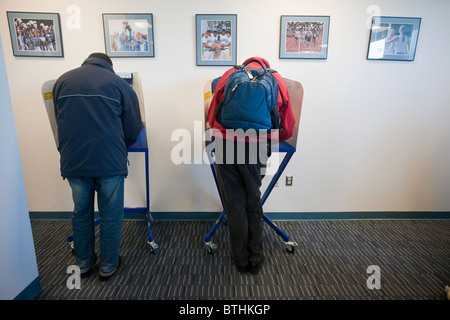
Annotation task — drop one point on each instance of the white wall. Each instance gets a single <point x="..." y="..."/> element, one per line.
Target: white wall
<point x="18" y="267"/>
<point x="373" y="135"/>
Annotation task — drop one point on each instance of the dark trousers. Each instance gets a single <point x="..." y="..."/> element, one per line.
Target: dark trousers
<point x="239" y="182"/>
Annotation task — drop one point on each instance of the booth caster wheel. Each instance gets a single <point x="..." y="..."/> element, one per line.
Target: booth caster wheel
<point x="290" y="246"/>
<point x="71" y="247"/>
<point x="210" y="247"/>
<point x="153" y="247"/>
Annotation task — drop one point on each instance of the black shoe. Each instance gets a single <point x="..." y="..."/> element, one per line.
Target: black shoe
<point x="106" y="277"/>
<point x="254" y="267"/>
<point x="243" y="269"/>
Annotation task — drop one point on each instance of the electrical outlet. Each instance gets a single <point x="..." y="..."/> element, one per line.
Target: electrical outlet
<point x="289" y="180"/>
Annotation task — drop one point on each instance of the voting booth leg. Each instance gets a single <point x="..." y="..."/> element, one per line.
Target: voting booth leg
<point x="290" y="245"/>
<point x="151" y="245"/>
<point x="210" y="247"/>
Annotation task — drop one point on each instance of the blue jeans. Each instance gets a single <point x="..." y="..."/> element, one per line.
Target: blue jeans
<point x="110" y="199"/>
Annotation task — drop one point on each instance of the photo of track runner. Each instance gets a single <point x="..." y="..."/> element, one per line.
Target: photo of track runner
<point x="304" y="37"/>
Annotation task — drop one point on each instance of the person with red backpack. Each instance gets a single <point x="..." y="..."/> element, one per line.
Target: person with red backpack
<point x="250" y="110"/>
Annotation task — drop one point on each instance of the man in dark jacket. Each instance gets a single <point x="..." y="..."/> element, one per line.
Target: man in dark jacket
<point x="98" y="116"/>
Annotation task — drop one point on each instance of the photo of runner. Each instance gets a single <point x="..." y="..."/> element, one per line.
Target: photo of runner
<point x="304" y="37"/>
<point x="393" y="38"/>
<point x="396" y="37"/>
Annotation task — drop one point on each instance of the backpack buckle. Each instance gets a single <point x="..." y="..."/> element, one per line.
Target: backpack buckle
<point x="250" y="75"/>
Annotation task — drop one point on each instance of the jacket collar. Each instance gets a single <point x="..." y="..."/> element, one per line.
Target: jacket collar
<point x="98" y="62"/>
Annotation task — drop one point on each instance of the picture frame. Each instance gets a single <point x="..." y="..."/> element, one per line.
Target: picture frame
<point x="216" y="39"/>
<point x="304" y="37"/>
<point x="128" y="35"/>
<point x="35" y="34"/>
<point x="393" y="38"/>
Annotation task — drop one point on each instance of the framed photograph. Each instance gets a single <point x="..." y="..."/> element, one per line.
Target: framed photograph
<point x="393" y="38"/>
<point x="35" y="34"/>
<point x="128" y="34"/>
<point x="304" y="37"/>
<point x="216" y="39"/>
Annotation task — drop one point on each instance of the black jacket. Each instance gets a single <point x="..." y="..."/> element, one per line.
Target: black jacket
<point x="98" y="116"/>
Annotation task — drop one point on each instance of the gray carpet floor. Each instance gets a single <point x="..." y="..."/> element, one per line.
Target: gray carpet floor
<point x="329" y="263"/>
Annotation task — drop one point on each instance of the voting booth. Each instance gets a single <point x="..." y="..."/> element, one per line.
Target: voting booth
<point x="287" y="147"/>
<point x="134" y="80"/>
